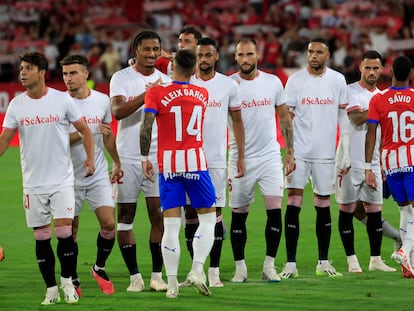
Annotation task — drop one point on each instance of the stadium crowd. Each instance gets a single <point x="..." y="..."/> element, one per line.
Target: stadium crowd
<point x="102" y="29"/>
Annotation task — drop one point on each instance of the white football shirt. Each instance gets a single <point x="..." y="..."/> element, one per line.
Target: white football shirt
<point x="315" y="101"/>
<point x="359" y="98"/>
<point x="96" y="110"/>
<point x="259" y="97"/>
<point x="130" y="83"/>
<point x="43" y="125"/>
<point x="222" y="96"/>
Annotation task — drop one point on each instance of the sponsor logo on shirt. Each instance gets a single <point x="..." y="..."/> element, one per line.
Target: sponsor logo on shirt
<point x="27" y="121"/>
<point x="317" y="101"/>
<point x="405" y="169"/>
<point x="191" y="176"/>
<point x="256" y="103"/>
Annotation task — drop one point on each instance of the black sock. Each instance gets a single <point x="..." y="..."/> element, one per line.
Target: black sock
<point x="156" y="255"/>
<point x="346" y="231"/>
<point x="215" y="253"/>
<point x="66" y="255"/>
<point x="104" y="250"/>
<point x="238" y="235"/>
<point x="189" y="231"/>
<point x="323" y="231"/>
<point x="374" y="230"/>
<point x="129" y="254"/>
<point x="75" y="252"/>
<point x="46" y="261"/>
<point x="291" y="231"/>
<point x="273" y="231"/>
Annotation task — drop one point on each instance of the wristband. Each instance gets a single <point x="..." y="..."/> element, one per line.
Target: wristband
<point x="144" y="158"/>
<point x="368" y="166"/>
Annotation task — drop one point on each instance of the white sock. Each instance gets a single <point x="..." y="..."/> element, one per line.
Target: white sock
<point x="170" y="245"/>
<point x="241" y="264"/>
<point x="64" y="281"/>
<point x="351" y="258"/>
<point x="172" y="281"/>
<point x="375" y="258"/>
<point x="291" y="264"/>
<point x="156" y="275"/>
<point x="404" y="214"/>
<point x="407" y="229"/>
<point x="389" y="231"/>
<point x="204" y="237"/>
<point x="269" y="261"/>
<point x="136" y="275"/>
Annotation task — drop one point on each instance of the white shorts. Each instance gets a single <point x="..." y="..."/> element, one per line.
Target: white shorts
<point x="268" y="174"/>
<point x="40" y="209"/>
<point x="322" y="176"/>
<point x="352" y="187"/>
<point x="132" y="182"/>
<point x="97" y="195"/>
<point x="219" y="178"/>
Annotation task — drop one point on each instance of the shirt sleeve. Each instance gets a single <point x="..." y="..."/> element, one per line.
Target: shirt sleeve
<point x="373" y="115"/>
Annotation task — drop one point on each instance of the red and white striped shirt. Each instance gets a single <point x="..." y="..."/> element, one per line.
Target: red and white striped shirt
<point x="179" y="109"/>
<point x="393" y="110"/>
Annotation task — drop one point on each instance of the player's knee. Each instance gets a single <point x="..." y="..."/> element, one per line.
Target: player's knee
<point x="272" y="202"/>
<point x="295" y="200"/>
<point x="126" y="213"/>
<point x="63" y="232"/>
<point x="125" y="227"/>
<point x="190" y="213"/>
<point x="43" y="234"/>
<point x="241" y="209"/>
<point x="372" y="208"/>
<point x="322" y="201"/>
<point x="347" y="208"/>
<point x="107" y="234"/>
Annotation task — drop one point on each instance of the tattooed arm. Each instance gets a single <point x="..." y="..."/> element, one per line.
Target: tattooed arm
<point x="145" y="143"/>
<point x="287" y="131"/>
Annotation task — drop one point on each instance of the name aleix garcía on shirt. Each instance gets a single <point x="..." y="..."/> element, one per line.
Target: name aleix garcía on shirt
<point x="183" y="92"/>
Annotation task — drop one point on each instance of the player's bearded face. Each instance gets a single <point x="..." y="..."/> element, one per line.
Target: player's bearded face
<point x="247" y="68"/>
<point x="205" y="67"/>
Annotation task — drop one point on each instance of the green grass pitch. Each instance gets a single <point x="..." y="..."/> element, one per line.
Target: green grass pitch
<point x="21" y="286"/>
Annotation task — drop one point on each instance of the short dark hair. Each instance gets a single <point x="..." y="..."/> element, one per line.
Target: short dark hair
<point x="372" y="54"/>
<point x="185" y="61"/>
<point x="320" y="40"/>
<point x="75" y="59"/>
<point x="248" y="40"/>
<point x="207" y="41"/>
<point x="401" y="67"/>
<point x="143" y="35"/>
<point x="35" y="58"/>
<point x="193" y="30"/>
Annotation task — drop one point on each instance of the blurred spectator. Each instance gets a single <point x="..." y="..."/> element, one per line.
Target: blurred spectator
<point x="121" y="45"/>
<point x="94" y="55"/>
<point x="109" y="62"/>
<point x="272" y="52"/>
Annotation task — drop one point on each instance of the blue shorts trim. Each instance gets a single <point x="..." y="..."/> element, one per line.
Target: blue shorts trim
<point x="197" y="185"/>
<point x="401" y="184"/>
